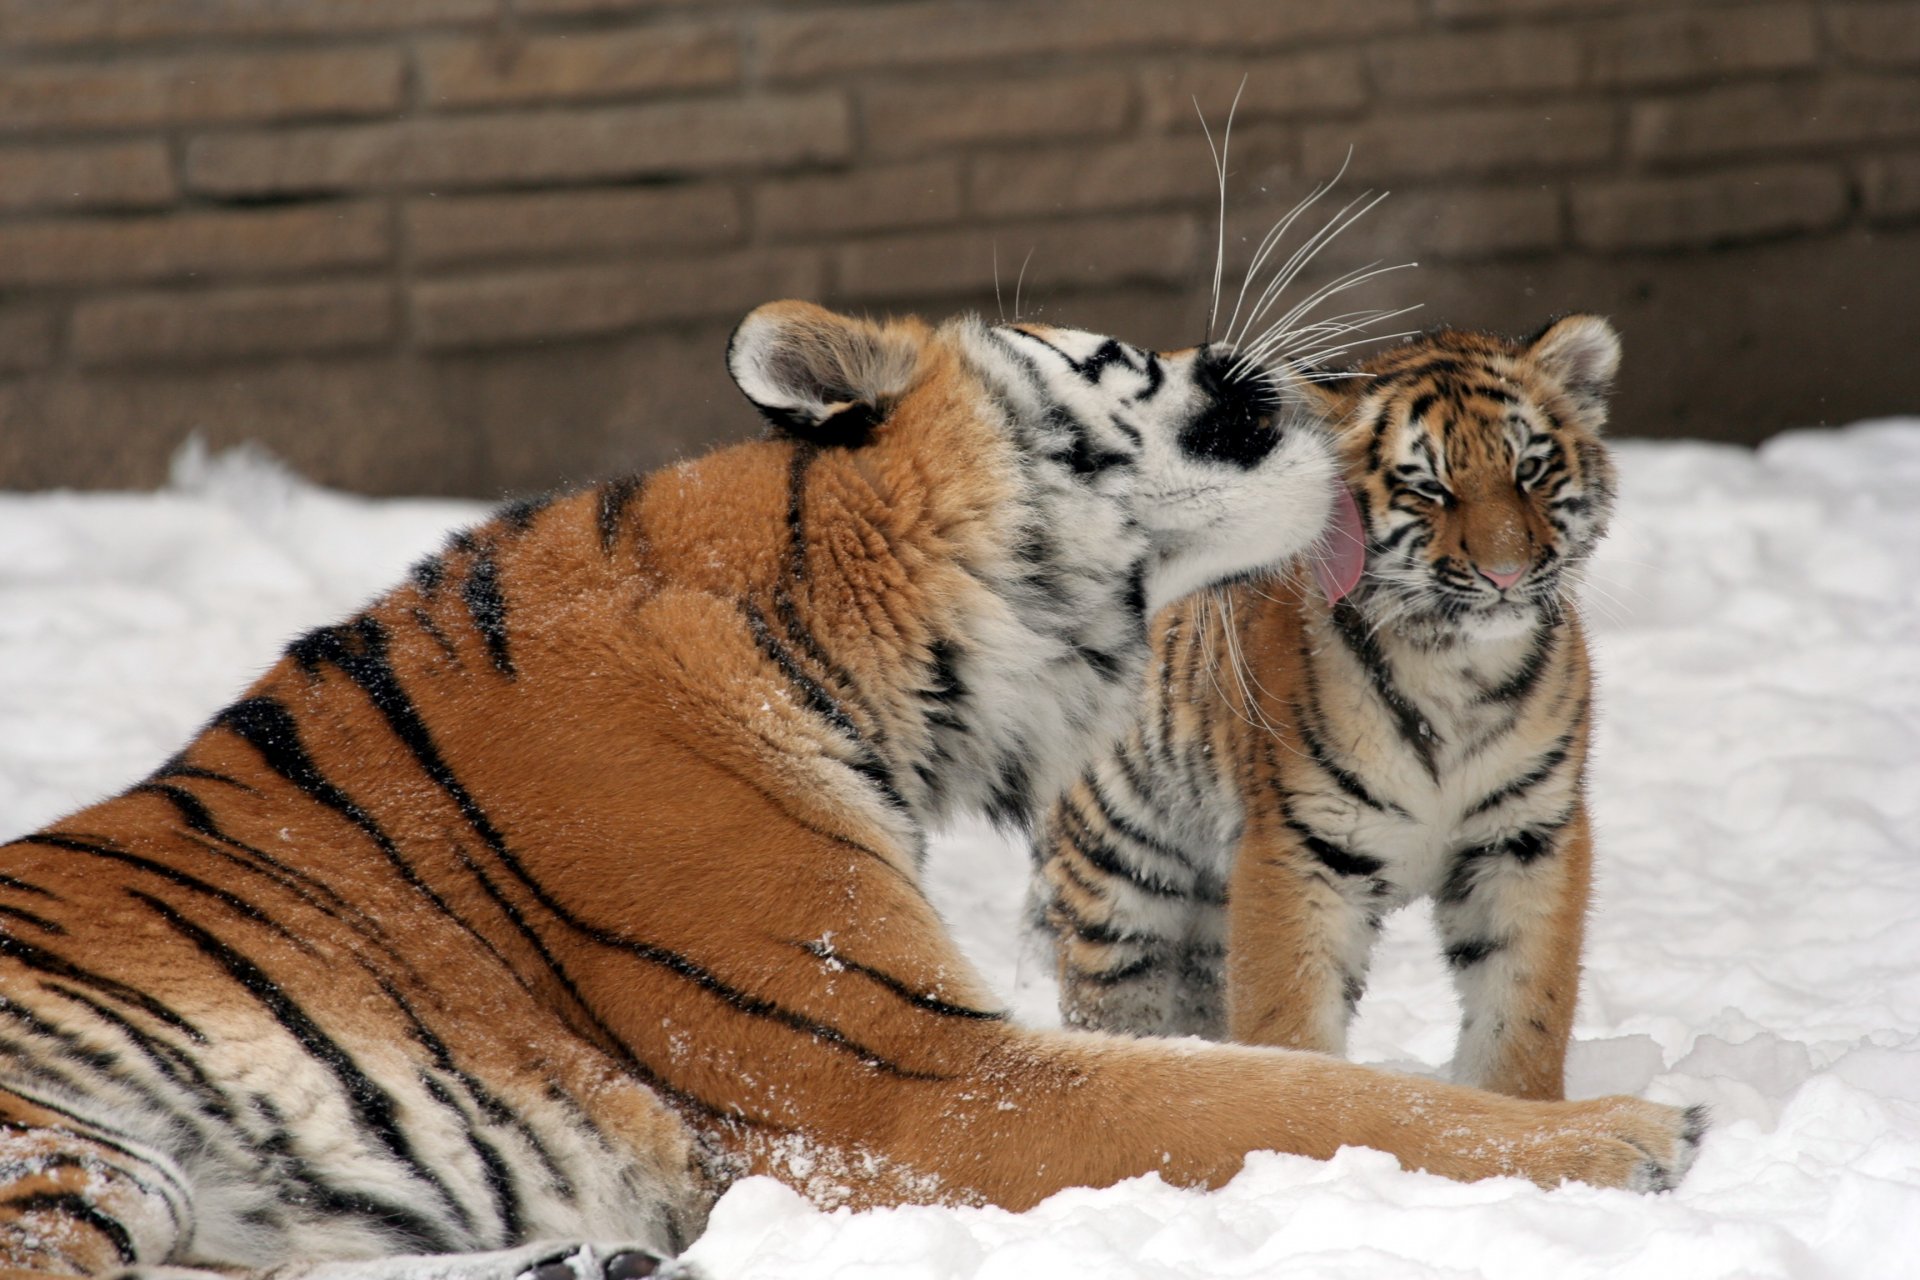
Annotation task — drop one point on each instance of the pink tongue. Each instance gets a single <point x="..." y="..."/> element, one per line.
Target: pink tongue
<point x="1341" y="553"/>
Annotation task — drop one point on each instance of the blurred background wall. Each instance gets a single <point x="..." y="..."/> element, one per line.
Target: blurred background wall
<point x="475" y="246"/>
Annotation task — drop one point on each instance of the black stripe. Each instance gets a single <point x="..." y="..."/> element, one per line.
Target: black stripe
<point x="1520" y="686"/>
<point x="28" y="917"/>
<point x="1543" y="768"/>
<point x="21" y="886"/>
<point x="1120" y="973"/>
<point x="371" y="1105"/>
<point x="310" y="889"/>
<point x="1413" y="728"/>
<point x="1204" y="889"/>
<point x="519" y="514"/>
<point x="428" y="574"/>
<point x="45" y="962"/>
<point x="493" y="1166"/>
<point x="919" y="1000"/>
<point x="866" y="762"/>
<point x="368" y="669"/>
<point x="177" y="767"/>
<point x="80" y="1210"/>
<point x="1472" y="951"/>
<point x="267" y="726"/>
<point x="180" y="1068"/>
<point x="424" y="620"/>
<point x="614" y="497"/>
<point x="1104" y="858"/>
<point x="488" y="608"/>
<point x="1348" y="783"/>
<point x="484" y="1100"/>
<point x="192" y="883"/>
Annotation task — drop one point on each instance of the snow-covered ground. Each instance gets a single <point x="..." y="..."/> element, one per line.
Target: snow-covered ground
<point x="1756" y="943"/>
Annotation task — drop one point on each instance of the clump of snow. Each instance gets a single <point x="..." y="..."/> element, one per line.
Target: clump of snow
<point x="1755" y="943"/>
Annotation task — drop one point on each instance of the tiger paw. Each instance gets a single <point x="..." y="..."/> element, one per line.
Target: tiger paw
<point x="1618" y="1142"/>
<point x="604" y="1262"/>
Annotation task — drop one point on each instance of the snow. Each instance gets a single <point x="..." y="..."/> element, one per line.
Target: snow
<point x="1755" y="944"/>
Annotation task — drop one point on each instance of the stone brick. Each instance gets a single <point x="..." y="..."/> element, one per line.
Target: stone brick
<point x="114" y="175"/>
<point x="1088" y="253"/>
<point x="1705" y="46"/>
<point x="1460" y="141"/>
<point x="233" y="323"/>
<point x="27" y="335"/>
<point x="528" y="146"/>
<point x="1469" y="10"/>
<point x="1276" y="88"/>
<point x="913" y="118"/>
<point x="120" y="22"/>
<point x="1890" y="185"/>
<point x="875" y="199"/>
<point x="200" y="89"/>
<point x="250" y="242"/>
<point x="1709" y="209"/>
<point x="1131" y="175"/>
<point x="1482" y="63"/>
<point x="1455" y="224"/>
<point x="1876" y="34"/>
<point x="578" y="65"/>
<point x="578" y="8"/>
<point x="1776" y="117"/>
<point x="444" y="229"/>
<point x="905" y="36"/>
<point x="570" y="302"/>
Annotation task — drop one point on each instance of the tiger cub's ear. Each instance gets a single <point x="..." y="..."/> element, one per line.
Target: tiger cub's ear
<point x="1581" y="353"/>
<point x="820" y="376"/>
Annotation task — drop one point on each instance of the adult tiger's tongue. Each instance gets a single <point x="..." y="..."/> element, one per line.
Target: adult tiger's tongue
<point x="1341" y="553"/>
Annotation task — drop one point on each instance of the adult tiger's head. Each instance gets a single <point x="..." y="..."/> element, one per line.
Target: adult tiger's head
<point x="1077" y="484"/>
<point x="1177" y="464"/>
<point x="1479" y="469"/>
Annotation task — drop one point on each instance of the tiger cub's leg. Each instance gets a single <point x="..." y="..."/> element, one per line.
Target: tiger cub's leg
<point x="78" y="1201"/>
<point x="1302" y="920"/>
<point x="1511" y="916"/>
<point x="1137" y="924"/>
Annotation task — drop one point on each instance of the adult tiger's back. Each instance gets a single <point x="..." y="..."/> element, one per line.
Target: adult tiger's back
<point x="578" y="874"/>
<point x="1299" y="769"/>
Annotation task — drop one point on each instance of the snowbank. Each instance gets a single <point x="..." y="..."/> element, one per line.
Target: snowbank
<point x="1756" y="944"/>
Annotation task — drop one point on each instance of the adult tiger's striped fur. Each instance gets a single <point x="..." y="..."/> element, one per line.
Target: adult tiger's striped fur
<point x="579" y="874"/>
<point x="1298" y="769"/>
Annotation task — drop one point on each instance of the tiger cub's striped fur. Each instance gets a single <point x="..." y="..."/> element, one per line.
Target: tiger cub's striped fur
<point x="1299" y="770"/>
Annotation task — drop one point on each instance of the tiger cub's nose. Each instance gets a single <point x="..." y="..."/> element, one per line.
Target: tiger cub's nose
<point x="1503" y="574"/>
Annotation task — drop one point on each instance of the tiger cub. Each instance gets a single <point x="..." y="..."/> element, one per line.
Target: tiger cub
<point x="1301" y="767"/>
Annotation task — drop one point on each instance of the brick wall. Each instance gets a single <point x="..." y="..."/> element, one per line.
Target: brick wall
<point x="477" y="245"/>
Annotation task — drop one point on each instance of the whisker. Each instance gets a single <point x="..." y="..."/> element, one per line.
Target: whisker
<point x="1220" y="171"/>
<point x="1278" y="232"/>
<point x="1020" y="280"/>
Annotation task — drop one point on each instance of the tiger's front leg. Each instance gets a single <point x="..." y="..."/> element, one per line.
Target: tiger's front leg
<point x="1302" y="920"/>
<point x="1512" y="914"/>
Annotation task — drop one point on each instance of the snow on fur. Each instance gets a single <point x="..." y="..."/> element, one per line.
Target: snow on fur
<point x="1756" y="943"/>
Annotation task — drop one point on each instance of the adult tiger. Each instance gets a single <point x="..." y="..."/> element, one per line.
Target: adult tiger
<point x="1299" y="768"/>
<point x="579" y="874"/>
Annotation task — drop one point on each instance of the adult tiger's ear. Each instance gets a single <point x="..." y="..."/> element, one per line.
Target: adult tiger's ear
<point x="820" y="376"/>
<point x="1582" y="353"/>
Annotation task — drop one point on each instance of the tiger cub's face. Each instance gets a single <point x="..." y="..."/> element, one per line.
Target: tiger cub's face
<point x="1479" y="469"/>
